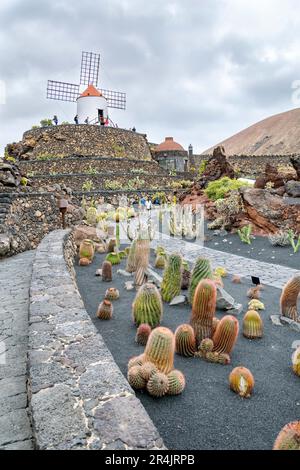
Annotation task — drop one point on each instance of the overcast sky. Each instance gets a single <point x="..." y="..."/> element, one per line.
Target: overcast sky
<point x="197" y="70"/>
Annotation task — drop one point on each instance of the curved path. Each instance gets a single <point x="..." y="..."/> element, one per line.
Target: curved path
<point x="15" y="277"/>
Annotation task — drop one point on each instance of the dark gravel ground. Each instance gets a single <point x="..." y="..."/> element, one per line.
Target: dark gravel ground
<point x="208" y="415"/>
<point x="260" y="249"/>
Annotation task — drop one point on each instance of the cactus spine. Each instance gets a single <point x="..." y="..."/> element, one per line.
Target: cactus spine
<point x="112" y="294"/>
<point x="241" y="381"/>
<point x="203" y="310"/>
<point x="136" y="361"/>
<point x="185" y="342"/>
<point x="143" y="333"/>
<point x="176" y="381"/>
<point x="226" y="335"/>
<point x="202" y="270"/>
<point x="289" y="437"/>
<point x="158" y="385"/>
<point x="253" y="325"/>
<point x="113" y="258"/>
<point x="105" y="310"/>
<point x="296" y="362"/>
<point x="106" y="271"/>
<point x="86" y="249"/>
<point x="147" y="306"/>
<point x="288" y="299"/>
<point x="160" y="349"/>
<point x="171" y="283"/>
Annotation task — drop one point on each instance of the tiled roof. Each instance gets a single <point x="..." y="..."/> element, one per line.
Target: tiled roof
<point x="168" y="145"/>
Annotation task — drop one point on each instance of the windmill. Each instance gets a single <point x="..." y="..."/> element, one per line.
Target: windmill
<point x="92" y="102"/>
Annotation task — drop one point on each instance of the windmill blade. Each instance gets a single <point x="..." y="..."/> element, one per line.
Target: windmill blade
<point x="115" y="99"/>
<point x="89" y="73"/>
<point x="62" y="91"/>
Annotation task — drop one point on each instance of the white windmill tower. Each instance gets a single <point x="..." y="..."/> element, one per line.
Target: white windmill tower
<point x="92" y="102"/>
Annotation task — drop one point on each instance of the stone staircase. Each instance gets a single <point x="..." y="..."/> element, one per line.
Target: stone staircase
<point x="5" y="203"/>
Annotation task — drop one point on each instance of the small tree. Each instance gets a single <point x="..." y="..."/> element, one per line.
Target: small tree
<point x="46" y="122"/>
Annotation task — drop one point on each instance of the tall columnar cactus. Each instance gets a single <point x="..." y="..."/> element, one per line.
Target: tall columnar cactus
<point x="130" y="267"/>
<point x="112" y="294"/>
<point x="289" y="437"/>
<point x="143" y="333"/>
<point x="105" y="310"/>
<point x="185" y="342"/>
<point x="171" y="283"/>
<point x="113" y="258"/>
<point x="203" y="309"/>
<point x="176" y="381"/>
<point x="111" y="245"/>
<point x="241" y="381"/>
<point x="296" y="362"/>
<point x="158" y="385"/>
<point x="106" y="271"/>
<point x="147" y="306"/>
<point x="141" y="262"/>
<point x="253" y="325"/>
<point x="226" y="335"/>
<point x="87" y="249"/>
<point x="288" y="299"/>
<point x="202" y="270"/>
<point x="160" y="349"/>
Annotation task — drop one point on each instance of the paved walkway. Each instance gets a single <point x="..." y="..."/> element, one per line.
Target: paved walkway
<point x="15" y="275"/>
<point x="269" y="274"/>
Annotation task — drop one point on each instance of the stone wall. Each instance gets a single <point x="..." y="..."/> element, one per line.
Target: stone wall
<point x="79" y="398"/>
<point x="88" y="164"/>
<point x="85" y="140"/>
<point x="245" y="165"/>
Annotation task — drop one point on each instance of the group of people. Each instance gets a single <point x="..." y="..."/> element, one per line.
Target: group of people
<point x="103" y="121"/>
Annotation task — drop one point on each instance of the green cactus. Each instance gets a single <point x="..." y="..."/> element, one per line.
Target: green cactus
<point x="206" y="345"/>
<point x="141" y="262"/>
<point x="203" y="310"/>
<point x="87" y="249"/>
<point x="245" y="234"/>
<point x="143" y="333"/>
<point x="185" y="342"/>
<point x="158" y="385"/>
<point x="147" y="306"/>
<point x="171" y="283"/>
<point x="160" y="349"/>
<point x="106" y="271"/>
<point x="202" y="270"/>
<point x="135" y="378"/>
<point x="176" y="381"/>
<point x="113" y="258"/>
<point x="122" y="254"/>
<point x="147" y="370"/>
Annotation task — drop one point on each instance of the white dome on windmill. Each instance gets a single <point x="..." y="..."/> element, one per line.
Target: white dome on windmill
<point x="91" y="104"/>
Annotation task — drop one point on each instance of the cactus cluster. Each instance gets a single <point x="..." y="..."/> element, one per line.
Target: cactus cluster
<point x="296" y="361"/>
<point x="143" y="333"/>
<point x="154" y="369"/>
<point x="253" y="325"/>
<point x="106" y="271"/>
<point x="288" y="299"/>
<point x="185" y="342"/>
<point x="112" y="294"/>
<point x="105" y="310"/>
<point x="113" y="258"/>
<point x="171" y="283"/>
<point x="203" y="309"/>
<point x="289" y="437"/>
<point x="202" y="270"/>
<point x="241" y="381"/>
<point x="87" y="249"/>
<point x="147" y="306"/>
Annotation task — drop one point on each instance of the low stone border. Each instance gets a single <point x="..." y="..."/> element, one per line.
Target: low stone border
<point x="78" y="397"/>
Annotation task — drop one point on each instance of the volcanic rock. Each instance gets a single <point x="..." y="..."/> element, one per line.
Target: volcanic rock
<point x="293" y="188"/>
<point x="217" y="167"/>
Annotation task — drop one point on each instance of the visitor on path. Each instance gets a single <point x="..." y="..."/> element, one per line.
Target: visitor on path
<point x="55" y="119"/>
<point x="76" y="119"/>
<point x="149" y="204"/>
<point x="142" y="203"/>
<point x="86" y="121"/>
<point x="133" y="129"/>
<point x="102" y="121"/>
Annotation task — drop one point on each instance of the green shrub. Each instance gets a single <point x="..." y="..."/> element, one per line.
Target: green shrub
<point x="220" y="188"/>
<point x="46" y="122"/>
<point x="23" y="181"/>
<point x="87" y="185"/>
<point x="10" y="159"/>
<point x="113" y="185"/>
<point x="35" y="127"/>
<point x="202" y="167"/>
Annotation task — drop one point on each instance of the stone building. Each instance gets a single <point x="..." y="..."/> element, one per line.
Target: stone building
<point x="171" y="155"/>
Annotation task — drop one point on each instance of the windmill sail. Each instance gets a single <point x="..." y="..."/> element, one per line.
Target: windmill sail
<point x="62" y="91"/>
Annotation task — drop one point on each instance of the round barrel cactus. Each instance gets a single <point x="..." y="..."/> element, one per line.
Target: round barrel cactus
<point x="135" y="378"/>
<point x="136" y="361"/>
<point x="171" y="283"/>
<point x="241" y="381"/>
<point x="113" y="258"/>
<point x="105" y="310"/>
<point x="106" y="271"/>
<point x="176" y="381"/>
<point x="158" y="385"/>
<point x="185" y="342"/>
<point x="143" y="333"/>
<point x="202" y="270"/>
<point x="147" y="370"/>
<point x="147" y="306"/>
<point x="112" y="294"/>
<point x="289" y="437"/>
<point x="226" y="335"/>
<point x="253" y="325"/>
<point x="84" y="262"/>
<point x="87" y="249"/>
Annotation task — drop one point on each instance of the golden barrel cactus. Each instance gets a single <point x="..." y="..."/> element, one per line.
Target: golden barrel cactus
<point x="203" y="309"/>
<point x="226" y="335"/>
<point x="160" y="349"/>
<point x="253" y="325"/>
